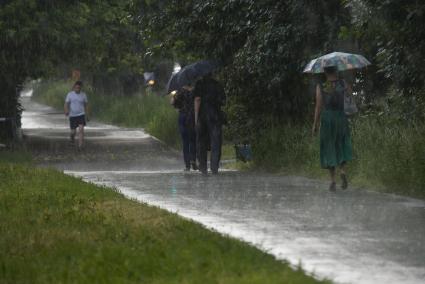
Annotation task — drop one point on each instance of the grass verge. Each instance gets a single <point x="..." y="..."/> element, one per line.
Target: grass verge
<point x="387" y="156"/>
<point x="152" y="112"/>
<point x="18" y="156"/>
<point x="56" y="229"/>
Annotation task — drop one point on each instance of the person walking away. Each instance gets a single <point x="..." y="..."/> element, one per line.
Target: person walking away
<point x="335" y="137"/>
<point x="209" y="98"/>
<point x="183" y="101"/>
<point x="76" y="108"/>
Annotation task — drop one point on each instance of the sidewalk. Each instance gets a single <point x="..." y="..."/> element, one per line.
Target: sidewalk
<point x="352" y="236"/>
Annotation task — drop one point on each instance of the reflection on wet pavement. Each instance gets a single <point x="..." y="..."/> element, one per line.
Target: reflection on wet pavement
<point x="353" y="236"/>
<point x="344" y="236"/>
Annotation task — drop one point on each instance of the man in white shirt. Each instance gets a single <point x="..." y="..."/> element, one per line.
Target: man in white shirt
<point x="76" y="107"/>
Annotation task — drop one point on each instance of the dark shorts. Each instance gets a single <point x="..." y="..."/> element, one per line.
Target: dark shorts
<point x="74" y="121"/>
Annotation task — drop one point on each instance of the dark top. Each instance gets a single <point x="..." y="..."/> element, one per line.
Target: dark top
<point x="333" y="95"/>
<point x="212" y="98"/>
<point x="210" y="91"/>
<point x="183" y="101"/>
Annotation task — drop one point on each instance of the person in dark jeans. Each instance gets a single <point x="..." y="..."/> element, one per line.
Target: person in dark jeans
<point x="209" y="98"/>
<point x="183" y="101"/>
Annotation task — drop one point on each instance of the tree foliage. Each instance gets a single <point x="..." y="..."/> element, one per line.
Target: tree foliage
<point x="263" y="46"/>
<point x="393" y="31"/>
<point x="39" y="38"/>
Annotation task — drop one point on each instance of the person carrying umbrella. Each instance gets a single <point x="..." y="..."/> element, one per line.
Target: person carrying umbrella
<point x="209" y="98"/>
<point x="180" y="86"/>
<point x="335" y="137"/>
<point x="183" y="101"/>
<point x="330" y="115"/>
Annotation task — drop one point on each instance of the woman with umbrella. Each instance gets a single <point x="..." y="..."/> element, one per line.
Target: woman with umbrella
<point x="207" y="115"/>
<point x="180" y="86"/>
<point x="182" y="99"/>
<point x="335" y="137"/>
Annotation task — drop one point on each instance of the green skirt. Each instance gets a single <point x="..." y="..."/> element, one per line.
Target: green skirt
<point x="335" y="139"/>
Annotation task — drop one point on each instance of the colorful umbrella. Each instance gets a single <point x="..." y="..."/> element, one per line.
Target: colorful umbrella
<point x="343" y="61"/>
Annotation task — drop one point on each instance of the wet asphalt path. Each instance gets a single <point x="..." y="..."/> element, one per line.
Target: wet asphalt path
<point x="352" y="236"/>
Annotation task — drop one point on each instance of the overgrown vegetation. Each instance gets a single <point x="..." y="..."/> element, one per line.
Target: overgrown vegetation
<point x="17" y="156"/>
<point x="265" y="44"/>
<point x="50" y="38"/>
<point x="57" y="229"/>
<point x="152" y="112"/>
<point x="388" y="157"/>
<point x="262" y="45"/>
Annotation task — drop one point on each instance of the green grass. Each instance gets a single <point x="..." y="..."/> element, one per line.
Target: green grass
<point x="18" y="156"/>
<point x="390" y="154"/>
<point x="152" y="112"/>
<point x="387" y="156"/>
<point x="58" y="229"/>
<point x="228" y="152"/>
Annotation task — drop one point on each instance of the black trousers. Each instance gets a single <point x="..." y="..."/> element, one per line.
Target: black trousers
<point x="209" y="134"/>
<point x="188" y="136"/>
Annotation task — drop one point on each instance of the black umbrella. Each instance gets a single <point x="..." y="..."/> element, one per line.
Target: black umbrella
<point x="172" y="84"/>
<point x="190" y="74"/>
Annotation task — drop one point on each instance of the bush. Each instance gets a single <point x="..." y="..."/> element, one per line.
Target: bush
<point x="386" y="155"/>
<point x="150" y="111"/>
<point x="52" y="93"/>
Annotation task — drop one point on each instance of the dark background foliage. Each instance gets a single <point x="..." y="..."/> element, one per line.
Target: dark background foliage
<point x="262" y="45"/>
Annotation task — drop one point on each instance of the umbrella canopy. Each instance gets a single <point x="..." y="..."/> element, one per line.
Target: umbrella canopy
<point x="172" y="84"/>
<point x="190" y="74"/>
<point x="148" y="76"/>
<point x="342" y="61"/>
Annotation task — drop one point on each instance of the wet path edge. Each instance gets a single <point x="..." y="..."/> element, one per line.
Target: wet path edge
<point x="353" y="236"/>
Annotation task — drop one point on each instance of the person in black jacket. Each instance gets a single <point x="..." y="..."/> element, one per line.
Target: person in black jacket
<point x="183" y="101"/>
<point x="209" y="118"/>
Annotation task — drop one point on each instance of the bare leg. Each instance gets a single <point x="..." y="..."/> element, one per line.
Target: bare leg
<point x="344" y="183"/>
<point x="332" y="174"/>
<point x="80" y="135"/>
<point x="342" y="169"/>
<point x="72" y="136"/>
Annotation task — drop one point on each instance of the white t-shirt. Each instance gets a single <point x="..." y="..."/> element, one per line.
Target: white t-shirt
<point x="76" y="103"/>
